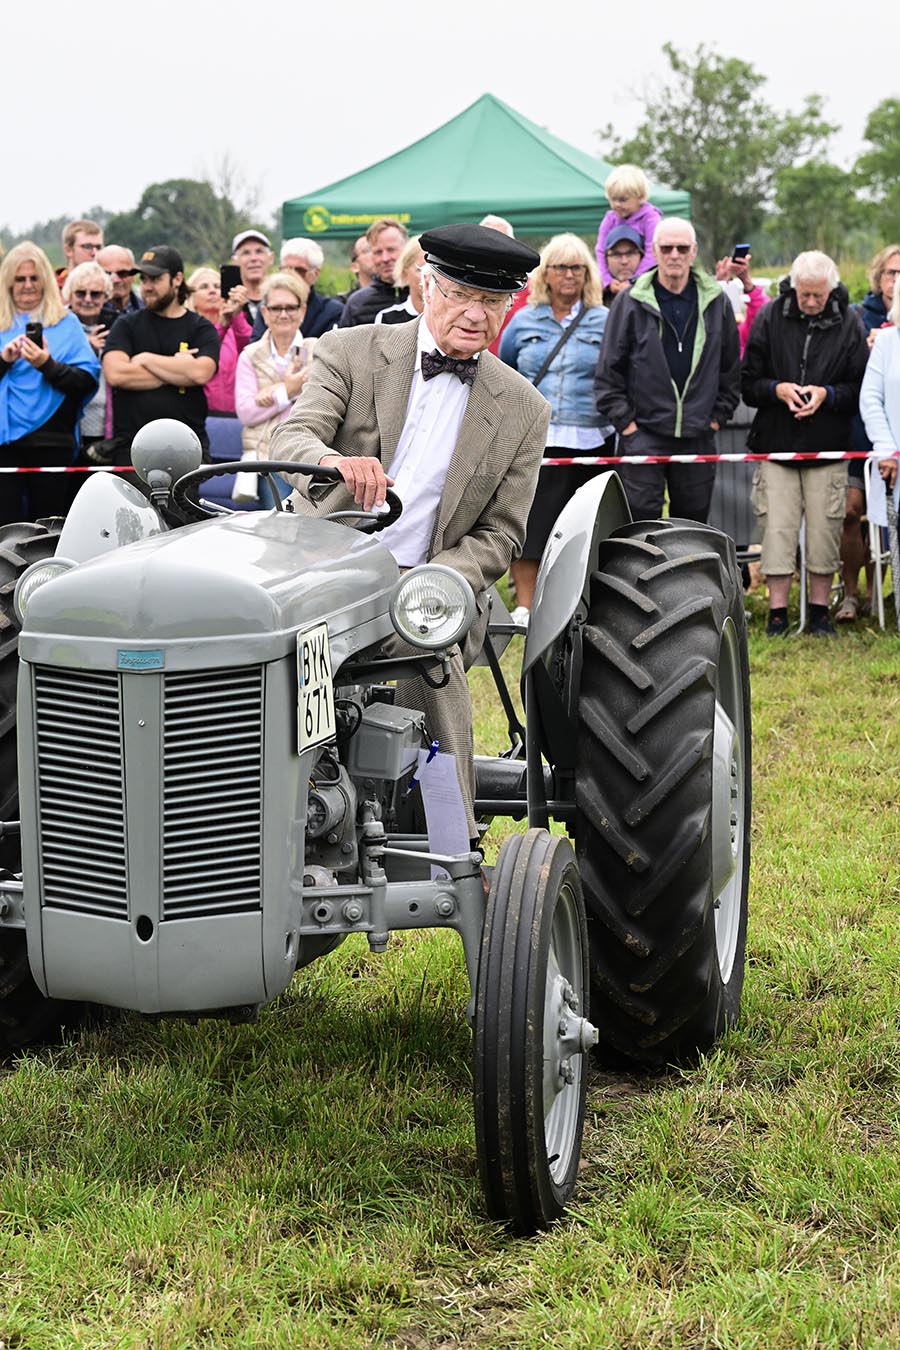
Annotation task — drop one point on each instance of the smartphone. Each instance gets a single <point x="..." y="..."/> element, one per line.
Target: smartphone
<point x="35" y="331"/>
<point x="229" y="277"/>
<point x="740" y="253"/>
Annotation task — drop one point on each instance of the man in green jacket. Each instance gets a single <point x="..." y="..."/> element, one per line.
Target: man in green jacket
<point x="669" y="375"/>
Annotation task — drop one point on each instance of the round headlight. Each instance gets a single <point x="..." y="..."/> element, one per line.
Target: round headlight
<point x="433" y="606"/>
<point x="35" y="576"/>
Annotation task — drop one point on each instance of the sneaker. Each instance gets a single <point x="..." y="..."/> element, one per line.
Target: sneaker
<point x="821" y="626"/>
<point x="520" y="616"/>
<point x="777" y="626"/>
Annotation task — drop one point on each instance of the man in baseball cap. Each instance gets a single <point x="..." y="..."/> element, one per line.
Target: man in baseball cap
<point x="153" y="262"/>
<point x="252" y="252"/>
<point x="157" y="359"/>
<point x="624" y="250"/>
<point x="426" y="407"/>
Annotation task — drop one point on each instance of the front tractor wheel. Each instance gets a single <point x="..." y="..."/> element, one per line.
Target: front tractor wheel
<point x="531" y="1032"/>
<point x="662" y="823"/>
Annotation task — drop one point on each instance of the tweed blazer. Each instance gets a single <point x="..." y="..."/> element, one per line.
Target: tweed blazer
<point x="354" y="403"/>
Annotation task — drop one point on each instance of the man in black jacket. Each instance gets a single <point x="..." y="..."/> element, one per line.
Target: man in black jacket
<point x="387" y="237"/>
<point x="668" y="375"/>
<point x="803" y="367"/>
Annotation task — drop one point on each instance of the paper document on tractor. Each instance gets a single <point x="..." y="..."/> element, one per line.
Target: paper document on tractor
<point x="445" y="814"/>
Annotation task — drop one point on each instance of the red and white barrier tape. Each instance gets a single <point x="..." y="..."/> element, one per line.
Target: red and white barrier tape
<point x="69" y="468"/>
<point x="806" y="456"/>
<point x="587" y="460"/>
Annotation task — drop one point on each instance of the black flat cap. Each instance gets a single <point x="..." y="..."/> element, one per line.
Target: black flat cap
<point x="479" y="257"/>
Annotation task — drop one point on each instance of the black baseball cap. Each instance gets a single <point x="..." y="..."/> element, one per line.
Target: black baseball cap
<point x="479" y="257"/>
<point x="154" y="261"/>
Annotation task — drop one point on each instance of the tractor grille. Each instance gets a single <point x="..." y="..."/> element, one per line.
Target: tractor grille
<point x="211" y="818"/>
<point x="212" y="792"/>
<point x="79" y="754"/>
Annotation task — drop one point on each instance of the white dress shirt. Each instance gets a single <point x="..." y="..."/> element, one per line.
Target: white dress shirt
<point x="434" y="416"/>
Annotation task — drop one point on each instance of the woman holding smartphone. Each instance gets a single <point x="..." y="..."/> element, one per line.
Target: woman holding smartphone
<point x="272" y="372"/>
<point x="87" y="290"/>
<point x="48" y="371"/>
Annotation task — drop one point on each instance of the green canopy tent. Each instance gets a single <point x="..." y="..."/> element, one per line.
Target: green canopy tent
<point x="488" y="158"/>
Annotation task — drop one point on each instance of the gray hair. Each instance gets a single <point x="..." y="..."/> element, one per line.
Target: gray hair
<point x="303" y="248"/>
<point x="498" y="223"/>
<point x="285" y="281"/>
<point x="675" y="220"/>
<point x="814" y="266"/>
<point x="123" y="248"/>
<point x="84" y="273"/>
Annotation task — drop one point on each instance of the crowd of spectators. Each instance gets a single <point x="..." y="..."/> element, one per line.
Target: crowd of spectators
<point x="638" y="350"/>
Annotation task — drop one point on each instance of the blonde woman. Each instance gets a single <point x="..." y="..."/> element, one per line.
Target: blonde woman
<point x="554" y="341"/>
<point x="271" y="372"/>
<point x="48" y="371"/>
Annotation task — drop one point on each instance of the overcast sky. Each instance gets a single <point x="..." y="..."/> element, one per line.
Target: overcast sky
<point x="113" y="98"/>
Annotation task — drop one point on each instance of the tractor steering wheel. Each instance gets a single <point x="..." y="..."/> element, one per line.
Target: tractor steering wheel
<point x="194" y="511"/>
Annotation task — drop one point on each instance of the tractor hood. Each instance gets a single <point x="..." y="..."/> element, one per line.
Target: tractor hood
<point x="234" y="590"/>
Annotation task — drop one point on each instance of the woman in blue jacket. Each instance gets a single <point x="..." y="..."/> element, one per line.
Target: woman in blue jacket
<point x="48" y="372"/>
<point x="566" y="299"/>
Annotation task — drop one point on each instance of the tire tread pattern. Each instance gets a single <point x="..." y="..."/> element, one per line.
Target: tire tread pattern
<point x="643" y="788"/>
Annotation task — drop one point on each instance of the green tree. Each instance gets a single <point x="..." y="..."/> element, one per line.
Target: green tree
<point x="814" y="208"/>
<point x="47" y="234"/>
<point x="710" y="131"/>
<point x="187" y="213"/>
<point x="877" y="171"/>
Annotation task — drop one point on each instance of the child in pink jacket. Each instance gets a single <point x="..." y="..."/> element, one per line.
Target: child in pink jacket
<point x="627" y="189"/>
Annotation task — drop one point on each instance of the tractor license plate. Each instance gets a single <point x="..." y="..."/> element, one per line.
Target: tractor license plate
<point x="315" y="710"/>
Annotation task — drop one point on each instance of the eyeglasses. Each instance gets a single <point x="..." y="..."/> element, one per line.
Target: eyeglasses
<point x="575" y="268"/>
<point x="684" y="249"/>
<point x="121" y="275"/>
<point x="495" y="304"/>
<point x="282" y="309"/>
<point x="89" y="295"/>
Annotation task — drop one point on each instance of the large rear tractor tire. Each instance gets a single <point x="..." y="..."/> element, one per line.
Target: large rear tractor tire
<point x="662" y="824"/>
<point x="26" y="1016"/>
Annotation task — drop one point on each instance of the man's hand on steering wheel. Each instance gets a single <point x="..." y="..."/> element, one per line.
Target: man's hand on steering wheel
<point x="363" y="476"/>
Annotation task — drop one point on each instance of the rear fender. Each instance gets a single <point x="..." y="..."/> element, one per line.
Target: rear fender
<point x="561" y="601"/>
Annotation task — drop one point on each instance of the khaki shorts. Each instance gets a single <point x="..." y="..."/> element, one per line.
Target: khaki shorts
<point x="782" y="494"/>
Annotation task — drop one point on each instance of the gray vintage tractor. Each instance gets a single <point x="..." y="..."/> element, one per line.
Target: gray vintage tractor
<point x="213" y="785"/>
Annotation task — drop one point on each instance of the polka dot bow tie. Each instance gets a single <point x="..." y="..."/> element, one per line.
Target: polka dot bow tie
<point x="433" y="363"/>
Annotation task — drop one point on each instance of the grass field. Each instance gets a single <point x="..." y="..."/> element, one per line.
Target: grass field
<point x="310" y="1180"/>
